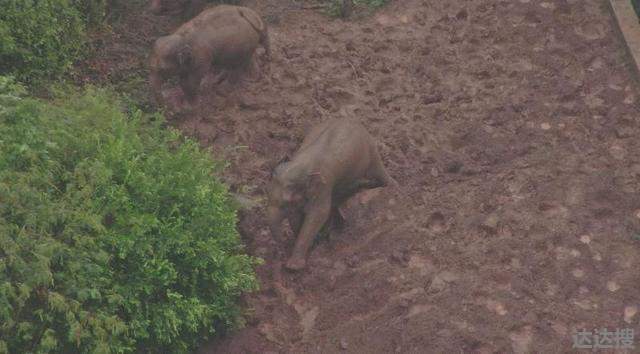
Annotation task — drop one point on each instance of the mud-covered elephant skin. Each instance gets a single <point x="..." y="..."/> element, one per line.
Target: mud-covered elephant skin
<point x="219" y="38"/>
<point x="336" y="160"/>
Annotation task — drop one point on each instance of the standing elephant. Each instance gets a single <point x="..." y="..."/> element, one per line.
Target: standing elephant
<point x="222" y="37"/>
<point x="336" y="160"/>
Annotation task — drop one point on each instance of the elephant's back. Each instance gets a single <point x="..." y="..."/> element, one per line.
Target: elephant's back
<point x="342" y="146"/>
<point x="233" y="43"/>
<point x="215" y="18"/>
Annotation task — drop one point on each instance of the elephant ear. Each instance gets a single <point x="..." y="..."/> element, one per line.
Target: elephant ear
<point x="185" y="56"/>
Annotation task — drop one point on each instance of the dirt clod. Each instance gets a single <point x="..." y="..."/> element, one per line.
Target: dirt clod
<point x="432" y="98"/>
<point x="344" y="345"/>
<point x="437" y="285"/>
<point x="629" y="313"/>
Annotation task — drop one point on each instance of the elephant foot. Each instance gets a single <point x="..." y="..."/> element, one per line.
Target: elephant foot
<point x="295" y="264"/>
<point x="337" y="219"/>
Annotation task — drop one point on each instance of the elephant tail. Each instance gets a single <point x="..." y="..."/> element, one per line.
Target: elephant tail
<point x="260" y="27"/>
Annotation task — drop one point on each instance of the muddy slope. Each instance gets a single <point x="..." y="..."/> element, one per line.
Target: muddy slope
<point x="512" y="127"/>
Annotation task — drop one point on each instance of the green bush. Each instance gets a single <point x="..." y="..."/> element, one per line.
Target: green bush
<point x="93" y="12"/>
<point x="39" y="39"/>
<point x="115" y="235"/>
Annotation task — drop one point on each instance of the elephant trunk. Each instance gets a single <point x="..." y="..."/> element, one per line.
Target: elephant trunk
<point x="275" y="216"/>
<point x="156" y="81"/>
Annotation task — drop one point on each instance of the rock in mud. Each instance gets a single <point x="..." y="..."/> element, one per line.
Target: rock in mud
<point x="352" y="261"/>
<point x="453" y="167"/>
<point x="586" y="239"/>
<point x="267" y="330"/>
<point x="490" y="224"/>
<point x="496" y="307"/>
<point x="629" y="313"/>
<point x="437" y="285"/>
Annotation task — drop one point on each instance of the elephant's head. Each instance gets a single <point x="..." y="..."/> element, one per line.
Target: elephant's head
<point x="285" y="194"/>
<point x="291" y="187"/>
<point x="171" y="56"/>
<point x="168" y="7"/>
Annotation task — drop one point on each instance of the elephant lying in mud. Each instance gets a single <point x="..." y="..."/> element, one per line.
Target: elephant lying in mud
<point x="336" y="160"/>
<point x="222" y="37"/>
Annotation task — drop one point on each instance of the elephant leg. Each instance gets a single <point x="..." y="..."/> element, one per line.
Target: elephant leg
<point x="213" y="80"/>
<point x="316" y="214"/>
<point x="156" y="81"/>
<point x="234" y="77"/>
<point x="337" y="219"/>
<point x="190" y="84"/>
<point x="296" y="218"/>
<point x="249" y="69"/>
<point x="253" y="69"/>
<point x="379" y="175"/>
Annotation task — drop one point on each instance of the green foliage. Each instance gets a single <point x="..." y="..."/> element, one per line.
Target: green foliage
<point x="39" y="39"/>
<point x="371" y="3"/>
<point x="97" y="14"/>
<point x="10" y="92"/>
<point x="115" y="235"/>
<point x="93" y="12"/>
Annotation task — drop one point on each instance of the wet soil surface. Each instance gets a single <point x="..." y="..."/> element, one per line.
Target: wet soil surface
<point x="512" y="128"/>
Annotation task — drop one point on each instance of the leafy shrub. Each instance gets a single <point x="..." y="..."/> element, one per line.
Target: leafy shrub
<point x="115" y="237"/>
<point x="96" y="13"/>
<point x="372" y="3"/>
<point x="39" y="38"/>
<point x="93" y="12"/>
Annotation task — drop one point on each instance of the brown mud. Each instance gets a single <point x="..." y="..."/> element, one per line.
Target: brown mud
<point x="512" y="128"/>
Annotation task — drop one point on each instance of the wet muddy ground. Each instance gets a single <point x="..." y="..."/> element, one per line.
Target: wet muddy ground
<point x="512" y="128"/>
